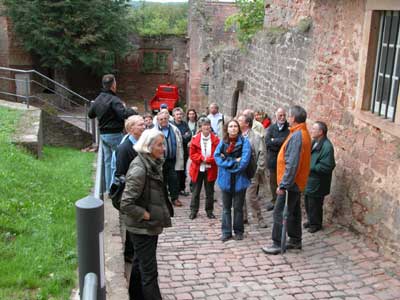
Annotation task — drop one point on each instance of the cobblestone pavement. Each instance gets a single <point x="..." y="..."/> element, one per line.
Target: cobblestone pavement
<point x="334" y="264"/>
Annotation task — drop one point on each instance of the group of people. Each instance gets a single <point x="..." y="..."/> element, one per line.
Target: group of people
<point x="152" y="160"/>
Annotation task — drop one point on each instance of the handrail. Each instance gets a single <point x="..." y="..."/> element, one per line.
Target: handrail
<point x="90" y="287"/>
<point x="99" y="183"/>
<point x="65" y="97"/>
<point x="49" y="79"/>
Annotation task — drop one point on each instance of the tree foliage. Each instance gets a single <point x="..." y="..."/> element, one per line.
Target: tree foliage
<point x="154" y="19"/>
<point x="68" y="33"/>
<point x="248" y="20"/>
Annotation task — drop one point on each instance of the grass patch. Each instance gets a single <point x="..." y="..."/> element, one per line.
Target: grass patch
<point x="37" y="207"/>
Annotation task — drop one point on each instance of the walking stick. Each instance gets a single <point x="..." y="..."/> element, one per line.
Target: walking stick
<point x="285" y="215"/>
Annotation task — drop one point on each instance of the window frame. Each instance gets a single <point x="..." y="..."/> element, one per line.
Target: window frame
<point x="156" y="53"/>
<point x="368" y="58"/>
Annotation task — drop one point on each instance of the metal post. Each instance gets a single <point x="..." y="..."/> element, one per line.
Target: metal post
<point x="27" y="91"/>
<point x="90" y="288"/>
<point x="86" y="118"/>
<point x="90" y="228"/>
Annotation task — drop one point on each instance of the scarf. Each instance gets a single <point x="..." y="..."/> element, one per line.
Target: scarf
<point x="232" y="143"/>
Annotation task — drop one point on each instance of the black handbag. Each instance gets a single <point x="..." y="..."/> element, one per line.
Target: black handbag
<point x="116" y="190"/>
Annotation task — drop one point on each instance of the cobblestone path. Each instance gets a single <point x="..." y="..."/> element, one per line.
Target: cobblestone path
<point x="334" y="264"/>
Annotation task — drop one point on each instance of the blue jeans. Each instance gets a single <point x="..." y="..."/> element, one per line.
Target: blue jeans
<point x="235" y="200"/>
<point x="110" y="144"/>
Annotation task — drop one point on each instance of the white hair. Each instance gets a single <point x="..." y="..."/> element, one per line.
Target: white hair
<point x="146" y="140"/>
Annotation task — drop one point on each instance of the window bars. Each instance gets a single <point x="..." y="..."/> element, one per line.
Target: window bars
<point x="387" y="67"/>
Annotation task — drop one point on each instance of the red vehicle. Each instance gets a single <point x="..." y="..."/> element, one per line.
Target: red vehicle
<point x="165" y="94"/>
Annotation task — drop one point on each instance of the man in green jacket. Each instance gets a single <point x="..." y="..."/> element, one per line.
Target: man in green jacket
<point x="319" y="180"/>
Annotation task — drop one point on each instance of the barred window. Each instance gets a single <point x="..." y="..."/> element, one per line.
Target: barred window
<point x="155" y="62"/>
<point x="387" y="67"/>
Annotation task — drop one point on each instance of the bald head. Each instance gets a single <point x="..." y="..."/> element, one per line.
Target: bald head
<point x="280" y="115"/>
<point x="249" y="113"/>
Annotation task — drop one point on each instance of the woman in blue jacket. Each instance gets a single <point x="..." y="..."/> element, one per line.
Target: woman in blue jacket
<point x="232" y="157"/>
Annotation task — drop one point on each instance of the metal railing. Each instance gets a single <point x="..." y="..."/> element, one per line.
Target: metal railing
<point x="33" y="85"/>
<point x="90" y="233"/>
<point x="90" y="287"/>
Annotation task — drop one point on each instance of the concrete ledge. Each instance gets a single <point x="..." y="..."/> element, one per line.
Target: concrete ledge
<point x="28" y="133"/>
<point x="57" y="132"/>
<point x="37" y="127"/>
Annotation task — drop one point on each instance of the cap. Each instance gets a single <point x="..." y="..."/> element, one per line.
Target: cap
<point x="163" y="105"/>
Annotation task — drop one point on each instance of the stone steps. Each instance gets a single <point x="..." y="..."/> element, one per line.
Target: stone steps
<point x="37" y="128"/>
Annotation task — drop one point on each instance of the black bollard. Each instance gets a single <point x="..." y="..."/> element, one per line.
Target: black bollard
<point x="90" y="229"/>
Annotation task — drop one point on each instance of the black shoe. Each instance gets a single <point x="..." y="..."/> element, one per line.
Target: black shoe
<point x="294" y="246"/>
<point x="238" y="237"/>
<point x="192" y="215"/>
<point x="306" y="225"/>
<point x="314" y="229"/>
<point x="272" y="250"/>
<point x="270" y="206"/>
<point x="225" y="238"/>
<point x="210" y="215"/>
<point x="183" y="193"/>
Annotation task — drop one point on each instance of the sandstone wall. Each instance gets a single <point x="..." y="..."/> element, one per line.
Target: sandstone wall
<point x="206" y="32"/>
<point x="319" y="69"/>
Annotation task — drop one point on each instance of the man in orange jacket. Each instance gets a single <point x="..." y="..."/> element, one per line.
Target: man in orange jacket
<point x="293" y="167"/>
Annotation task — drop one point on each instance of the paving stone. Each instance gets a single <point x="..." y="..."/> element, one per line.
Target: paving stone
<point x="194" y="264"/>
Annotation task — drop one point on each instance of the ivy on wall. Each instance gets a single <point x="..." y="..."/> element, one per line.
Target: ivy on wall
<point x="248" y="20"/>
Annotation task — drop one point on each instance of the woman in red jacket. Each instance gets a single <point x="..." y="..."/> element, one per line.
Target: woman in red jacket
<point x="203" y="167"/>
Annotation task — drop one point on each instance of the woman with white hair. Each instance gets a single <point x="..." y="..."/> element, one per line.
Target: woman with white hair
<point x="146" y="211"/>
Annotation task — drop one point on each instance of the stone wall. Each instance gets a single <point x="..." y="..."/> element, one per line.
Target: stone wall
<point x="57" y="132"/>
<point x="134" y="86"/>
<point x="206" y="32"/>
<point x="319" y="69"/>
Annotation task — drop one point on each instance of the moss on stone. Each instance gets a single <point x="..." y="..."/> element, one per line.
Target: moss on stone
<point x="275" y="32"/>
<point x="304" y="25"/>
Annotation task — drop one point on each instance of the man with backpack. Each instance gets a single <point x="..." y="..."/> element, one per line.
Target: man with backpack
<point x="258" y="161"/>
<point x="125" y="153"/>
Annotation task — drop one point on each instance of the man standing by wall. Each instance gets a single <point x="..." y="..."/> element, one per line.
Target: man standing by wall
<point x="257" y="127"/>
<point x="276" y="135"/>
<point x="110" y="113"/>
<point x="183" y="127"/>
<point x="173" y="155"/>
<point x="258" y="149"/>
<point x="215" y="117"/>
<point x="293" y="167"/>
<point x="319" y="181"/>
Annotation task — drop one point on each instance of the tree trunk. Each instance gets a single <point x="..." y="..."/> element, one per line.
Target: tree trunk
<point x="60" y="76"/>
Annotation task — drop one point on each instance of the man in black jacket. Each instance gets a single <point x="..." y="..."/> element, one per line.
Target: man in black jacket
<point x="183" y="127"/>
<point x="124" y="154"/>
<point x="110" y="113"/>
<point x="276" y="135"/>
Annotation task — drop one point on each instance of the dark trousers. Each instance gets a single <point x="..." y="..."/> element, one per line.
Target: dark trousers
<point x="182" y="174"/>
<point x="235" y="200"/>
<point x="314" y="210"/>
<point x="273" y="184"/>
<point x="171" y="178"/>
<point x="143" y="284"/>
<point x="294" y="218"/>
<point x="209" y="188"/>
<point x="128" y="250"/>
